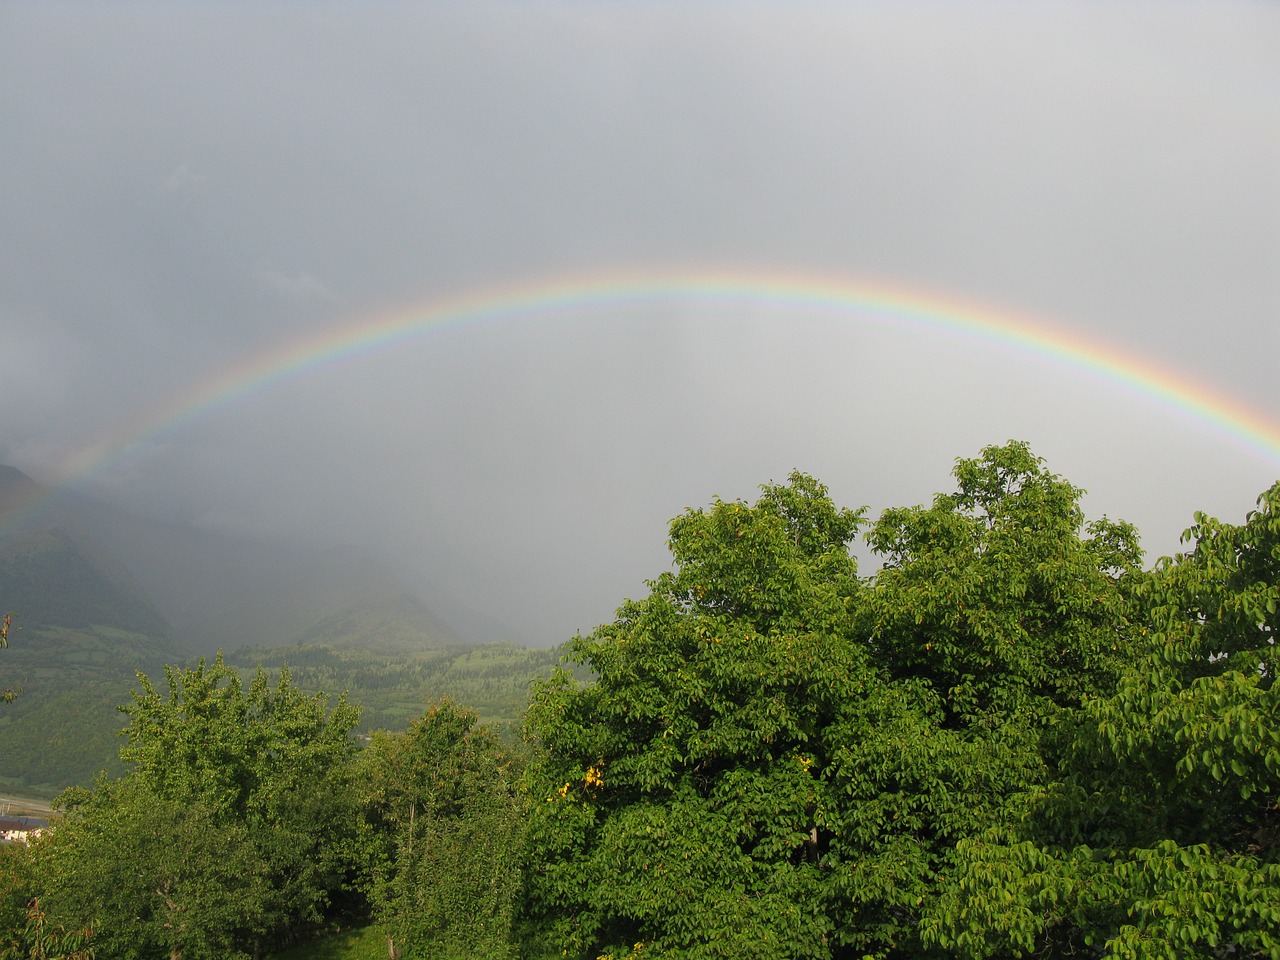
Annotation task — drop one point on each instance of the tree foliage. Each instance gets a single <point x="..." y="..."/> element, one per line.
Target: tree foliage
<point x="234" y="829"/>
<point x="1009" y="740"/>
<point x="447" y="810"/>
<point x="1161" y="837"/>
<point x="777" y="758"/>
<point x="680" y="802"/>
<point x="994" y="598"/>
<point x="37" y="939"/>
<point x="16" y="891"/>
<point x="155" y="876"/>
<point x="10" y="694"/>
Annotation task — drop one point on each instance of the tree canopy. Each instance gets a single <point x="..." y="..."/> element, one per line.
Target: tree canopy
<point x="233" y="830"/>
<point x="446" y="806"/>
<point x="9" y="694"/>
<point x="1160" y="835"/>
<point x="1009" y="739"/>
<point x="777" y="757"/>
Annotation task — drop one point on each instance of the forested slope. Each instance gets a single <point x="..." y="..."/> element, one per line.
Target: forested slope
<point x="392" y="689"/>
<point x="1012" y="739"/>
<point x="84" y="626"/>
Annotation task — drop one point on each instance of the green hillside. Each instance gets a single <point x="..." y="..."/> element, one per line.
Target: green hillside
<point x="84" y="626"/>
<point x="46" y="578"/>
<point x="391" y="689"/>
<point x="391" y="623"/>
<point x="64" y="727"/>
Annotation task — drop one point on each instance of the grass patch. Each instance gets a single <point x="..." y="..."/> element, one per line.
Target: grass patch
<point x="363" y="943"/>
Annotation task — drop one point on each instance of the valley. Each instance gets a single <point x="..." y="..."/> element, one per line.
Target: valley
<point x="99" y="596"/>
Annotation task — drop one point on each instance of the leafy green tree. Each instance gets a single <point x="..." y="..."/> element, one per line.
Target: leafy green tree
<point x="36" y="941"/>
<point x="998" y="611"/>
<point x="25" y="931"/>
<point x="236" y="828"/>
<point x="777" y="758"/>
<point x="272" y="758"/>
<point x="1161" y="837"/>
<point x="11" y="694"/>
<point x="681" y="800"/>
<point x="994" y="598"/>
<point x="155" y="876"/>
<point x="445" y="801"/>
<point x="16" y="892"/>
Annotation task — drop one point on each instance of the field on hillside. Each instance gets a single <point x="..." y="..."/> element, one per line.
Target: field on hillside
<point x="65" y="727"/>
<point x="492" y="679"/>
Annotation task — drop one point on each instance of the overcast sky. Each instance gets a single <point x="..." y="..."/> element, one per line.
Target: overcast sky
<point x="185" y="186"/>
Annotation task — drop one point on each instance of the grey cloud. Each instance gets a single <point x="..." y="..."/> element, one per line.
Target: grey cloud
<point x="300" y="286"/>
<point x="187" y="186"/>
<point x="183" y="177"/>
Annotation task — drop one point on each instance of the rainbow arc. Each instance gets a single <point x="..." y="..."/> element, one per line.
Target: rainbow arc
<point x="790" y="295"/>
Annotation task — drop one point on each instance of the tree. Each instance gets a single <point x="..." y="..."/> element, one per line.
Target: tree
<point x="236" y="828"/>
<point x="11" y="694"/>
<point x="16" y="892"/>
<point x="777" y="758"/>
<point x="26" y="933"/>
<point x="680" y="802"/>
<point x="32" y="939"/>
<point x="272" y="758"/>
<point x="445" y="801"/>
<point x="1161" y="837"/>
<point x="154" y="876"/>
<point x="1000" y="611"/>
<point x="994" y="598"/>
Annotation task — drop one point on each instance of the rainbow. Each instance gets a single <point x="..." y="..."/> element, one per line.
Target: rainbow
<point x="795" y="295"/>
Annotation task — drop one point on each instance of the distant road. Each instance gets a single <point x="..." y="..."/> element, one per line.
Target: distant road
<point x="17" y="806"/>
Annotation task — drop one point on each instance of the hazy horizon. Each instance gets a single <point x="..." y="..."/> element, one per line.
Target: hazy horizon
<point x="197" y="196"/>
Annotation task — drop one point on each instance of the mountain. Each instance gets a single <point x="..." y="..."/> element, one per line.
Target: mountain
<point x="214" y="590"/>
<point x="80" y="635"/>
<point x="55" y="574"/>
<point x="98" y="594"/>
<point x="18" y="492"/>
<point x="50" y="580"/>
<point x="394" y="623"/>
<point x="83" y="626"/>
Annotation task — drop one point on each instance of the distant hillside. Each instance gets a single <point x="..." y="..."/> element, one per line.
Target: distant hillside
<point x="214" y="590"/>
<point x="98" y="595"/>
<point x="19" y="494"/>
<point x="395" y="623"/>
<point x="48" y="580"/>
<point x="51" y="575"/>
<point x="65" y="726"/>
<point x="392" y="689"/>
<point x="82" y="627"/>
<point x="222" y="591"/>
<point x="54" y="574"/>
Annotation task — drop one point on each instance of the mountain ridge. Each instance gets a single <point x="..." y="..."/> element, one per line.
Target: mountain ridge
<point x="211" y="590"/>
<point x="99" y="595"/>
